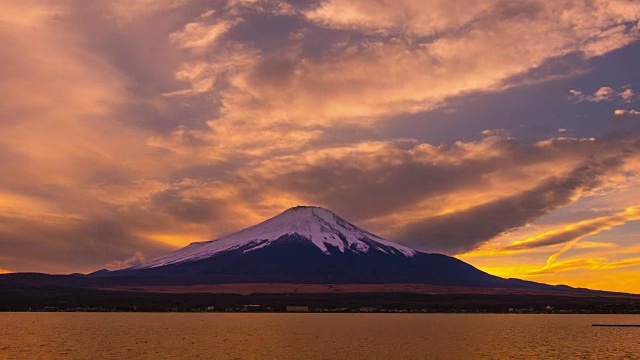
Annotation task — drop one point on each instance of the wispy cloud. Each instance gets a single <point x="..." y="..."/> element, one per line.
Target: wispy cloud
<point x="604" y="94"/>
<point x="626" y="113"/>
<point x="416" y="18"/>
<point x="575" y="232"/>
<point x="628" y="95"/>
<point x="588" y="264"/>
<point x="136" y="259"/>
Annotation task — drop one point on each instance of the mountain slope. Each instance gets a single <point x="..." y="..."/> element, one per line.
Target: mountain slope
<point x="305" y="245"/>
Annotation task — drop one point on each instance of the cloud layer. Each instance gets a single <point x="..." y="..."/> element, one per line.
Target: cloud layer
<point x="130" y="129"/>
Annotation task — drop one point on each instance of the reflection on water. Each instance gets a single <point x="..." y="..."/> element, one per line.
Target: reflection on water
<point x="315" y="336"/>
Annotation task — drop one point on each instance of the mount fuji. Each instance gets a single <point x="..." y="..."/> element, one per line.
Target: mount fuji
<point x="305" y="251"/>
<point x="316" y="226"/>
<point x="306" y="245"/>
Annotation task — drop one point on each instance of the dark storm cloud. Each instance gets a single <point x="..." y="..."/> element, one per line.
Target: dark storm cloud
<point x="58" y="244"/>
<point x="465" y="230"/>
<point x="367" y="185"/>
<point x="365" y="194"/>
<point x="191" y="209"/>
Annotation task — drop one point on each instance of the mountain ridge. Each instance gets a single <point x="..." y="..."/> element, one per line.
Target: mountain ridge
<point x="306" y="245"/>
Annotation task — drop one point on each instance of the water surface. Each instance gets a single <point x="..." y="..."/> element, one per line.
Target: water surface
<point x="315" y="336"/>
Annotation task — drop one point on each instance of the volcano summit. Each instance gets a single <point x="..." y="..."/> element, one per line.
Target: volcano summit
<point x="320" y="227"/>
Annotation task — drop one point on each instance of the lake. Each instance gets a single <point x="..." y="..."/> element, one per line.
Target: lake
<point x="315" y="336"/>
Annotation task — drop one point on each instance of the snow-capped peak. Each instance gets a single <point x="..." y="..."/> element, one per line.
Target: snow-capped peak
<point x="320" y="226"/>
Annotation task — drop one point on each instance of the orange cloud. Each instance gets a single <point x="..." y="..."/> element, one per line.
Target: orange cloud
<point x="366" y="81"/>
<point x="198" y="35"/>
<point x="596" y="261"/>
<point x="622" y="112"/>
<point x="128" y="11"/>
<point x="574" y="232"/>
<point x="413" y="17"/>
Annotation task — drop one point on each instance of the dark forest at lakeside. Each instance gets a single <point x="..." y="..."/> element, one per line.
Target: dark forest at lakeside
<point x="14" y="298"/>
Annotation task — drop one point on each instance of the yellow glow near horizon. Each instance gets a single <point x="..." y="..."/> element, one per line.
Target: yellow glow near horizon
<point x="593" y="274"/>
<point x="176" y="240"/>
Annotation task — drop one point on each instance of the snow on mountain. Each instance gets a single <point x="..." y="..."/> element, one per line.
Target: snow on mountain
<point x="320" y="226"/>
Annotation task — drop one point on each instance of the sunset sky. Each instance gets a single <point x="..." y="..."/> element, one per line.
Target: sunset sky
<point x="505" y="133"/>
